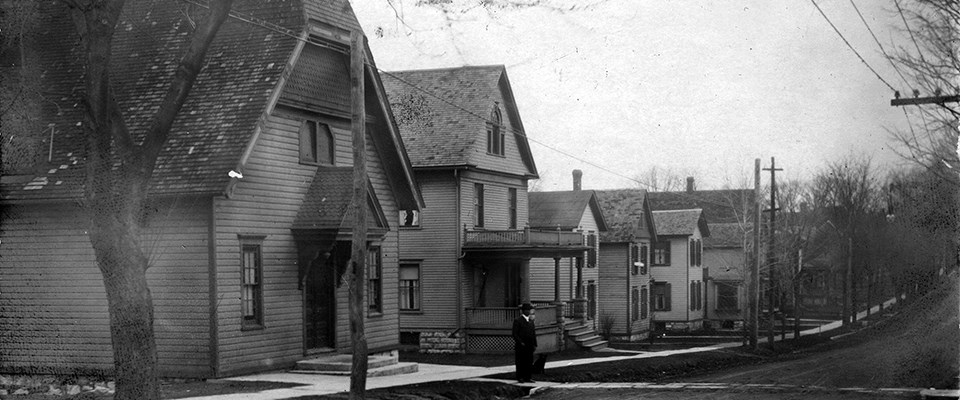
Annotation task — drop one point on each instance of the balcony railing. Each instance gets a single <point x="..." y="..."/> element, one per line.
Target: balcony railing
<point x="502" y="317"/>
<point x="520" y="237"/>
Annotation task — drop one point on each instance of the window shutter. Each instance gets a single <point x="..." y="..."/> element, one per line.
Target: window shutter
<point x="699" y="252"/>
<point x="635" y="304"/>
<point x="693" y="295"/>
<point x="643" y="302"/>
<point x="668" y="295"/>
<point x="592" y="253"/>
<point x="666" y="253"/>
<point x="693" y="252"/>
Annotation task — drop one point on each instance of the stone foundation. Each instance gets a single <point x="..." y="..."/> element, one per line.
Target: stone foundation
<point x="442" y="342"/>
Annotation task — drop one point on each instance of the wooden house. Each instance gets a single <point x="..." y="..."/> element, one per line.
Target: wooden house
<point x="248" y="222"/>
<point x="570" y="281"/>
<point x="624" y="267"/>
<point x="676" y="270"/>
<point x="465" y="262"/>
<point x="725" y="251"/>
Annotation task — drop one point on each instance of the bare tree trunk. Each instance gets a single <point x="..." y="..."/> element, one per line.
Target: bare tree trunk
<point x="118" y="174"/>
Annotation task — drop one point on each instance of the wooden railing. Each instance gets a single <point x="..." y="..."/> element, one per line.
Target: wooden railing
<point x="571" y="309"/>
<point x="502" y="317"/>
<point x="525" y="236"/>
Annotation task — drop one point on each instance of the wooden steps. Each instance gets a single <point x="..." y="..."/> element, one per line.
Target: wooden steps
<point x="340" y="364"/>
<point x="584" y="336"/>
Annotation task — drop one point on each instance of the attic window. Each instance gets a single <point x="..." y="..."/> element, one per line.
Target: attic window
<point x="495" y="137"/>
<point x="316" y="143"/>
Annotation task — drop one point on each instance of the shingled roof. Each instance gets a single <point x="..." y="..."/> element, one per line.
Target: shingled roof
<point x="725" y="235"/>
<point x="720" y="206"/>
<point x="242" y="67"/>
<point x="328" y="199"/>
<point x="442" y="113"/>
<point x="563" y="209"/>
<point x="627" y="214"/>
<point x="680" y="222"/>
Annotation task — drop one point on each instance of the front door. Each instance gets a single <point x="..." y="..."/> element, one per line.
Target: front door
<point x="320" y="304"/>
<point x="514" y="285"/>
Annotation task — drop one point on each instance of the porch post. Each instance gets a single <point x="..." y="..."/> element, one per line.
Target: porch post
<point x="579" y="290"/>
<point x="556" y="280"/>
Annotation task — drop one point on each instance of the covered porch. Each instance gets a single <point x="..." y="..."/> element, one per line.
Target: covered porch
<point x="499" y="263"/>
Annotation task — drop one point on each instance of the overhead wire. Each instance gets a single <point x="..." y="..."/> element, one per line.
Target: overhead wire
<point x="882" y="50"/>
<point x="851" y="46"/>
<point x="307" y="39"/>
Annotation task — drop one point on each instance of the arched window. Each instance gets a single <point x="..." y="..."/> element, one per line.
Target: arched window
<point x="495" y="137"/>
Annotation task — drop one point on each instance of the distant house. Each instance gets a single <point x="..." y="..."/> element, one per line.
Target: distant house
<point x="465" y="260"/>
<point x="725" y="251"/>
<point x="571" y="281"/>
<point x="249" y="229"/>
<point x="624" y="267"/>
<point x="676" y="270"/>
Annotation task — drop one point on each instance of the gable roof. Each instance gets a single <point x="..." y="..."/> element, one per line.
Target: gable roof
<point x="727" y="205"/>
<point x="326" y="205"/>
<point x="442" y="113"/>
<point x="563" y="209"/>
<point x="680" y="222"/>
<point x="725" y="235"/>
<point x="628" y="215"/>
<point x="218" y="125"/>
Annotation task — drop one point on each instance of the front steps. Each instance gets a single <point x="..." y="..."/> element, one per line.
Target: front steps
<point x="584" y="336"/>
<point x="340" y="364"/>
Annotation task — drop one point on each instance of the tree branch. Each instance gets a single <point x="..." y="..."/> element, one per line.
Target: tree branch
<point x="183" y="81"/>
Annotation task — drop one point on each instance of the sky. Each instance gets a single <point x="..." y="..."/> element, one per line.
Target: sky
<point x="689" y="87"/>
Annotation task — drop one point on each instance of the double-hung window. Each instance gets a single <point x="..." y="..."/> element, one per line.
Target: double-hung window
<point x="251" y="282"/>
<point x="660" y="296"/>
<point x="409" y="287"/>
<point x="374" y="280"/>
<point x="661" y="253"/>
<point x="478" y="204"/>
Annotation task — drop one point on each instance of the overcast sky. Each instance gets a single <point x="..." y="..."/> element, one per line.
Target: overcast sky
<point x="696" y="87"/>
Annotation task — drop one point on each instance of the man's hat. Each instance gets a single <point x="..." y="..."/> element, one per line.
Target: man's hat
<point x="526" y="306"/>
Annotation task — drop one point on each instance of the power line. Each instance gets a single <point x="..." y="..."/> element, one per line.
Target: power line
<point x="851" y="46"/>
<point x="910" y="31"/>
<point x="319" y="42"/>
<point x="882" y="50"/>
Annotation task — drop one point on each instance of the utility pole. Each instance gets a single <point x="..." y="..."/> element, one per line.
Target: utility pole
<point x="941" y="100"/>
<point x="771" y="252"/>
<point x="753" y="286"/>
<point x="358" y="262"/>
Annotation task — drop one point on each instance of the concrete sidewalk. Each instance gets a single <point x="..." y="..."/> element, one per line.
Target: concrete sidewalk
<point x="329" y="384"/>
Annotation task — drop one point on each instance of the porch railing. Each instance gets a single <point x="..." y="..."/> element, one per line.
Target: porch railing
<point x="502" y="317"/>
<point x="572" y="309"/>
<point x="517" y="237"/>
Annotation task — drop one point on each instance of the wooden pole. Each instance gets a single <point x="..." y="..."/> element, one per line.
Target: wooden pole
<point x="358" y="369"/>
<point x="753" y="288"/>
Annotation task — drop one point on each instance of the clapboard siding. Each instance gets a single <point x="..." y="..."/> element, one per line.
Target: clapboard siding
<point x="613" y="283"/>
<point x="54" y="311"/>
<point x="434" y="245"/>
<point x="511" y="162"/>
<point x="266" y="202"/>
<point x="679" y="273"/>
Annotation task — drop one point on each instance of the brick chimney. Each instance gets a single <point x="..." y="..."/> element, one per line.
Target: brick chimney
<point x="690" y="185"/>
<point x="577" y="177"/>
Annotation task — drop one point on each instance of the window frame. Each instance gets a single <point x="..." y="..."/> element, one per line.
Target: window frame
<point x="496" y="141"/>
<point x="634" y="304"/>
<point x="724" y="299"/>
<point x="512" y="200"/>
<point x="416" y="298"/>
<point x="478" y="206"/>
<point x="415" y="219"/>
<point x="312" y="143"/>
<point x="661" y="247"/>
<point x="660" y="291"/>
<point x="644" y="302"/>
<point x="374" y="281"/>
<point x="255" y="320"/>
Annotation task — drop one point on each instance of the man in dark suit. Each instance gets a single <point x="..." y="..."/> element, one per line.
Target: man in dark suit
<point x="524" y="342"/>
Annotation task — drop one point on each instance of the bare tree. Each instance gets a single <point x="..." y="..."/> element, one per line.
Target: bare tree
<point x="118" y="170"/>
<point x="846" y="192"/>
<point x="931" y="62"/>
<point x="660" y="179"/>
